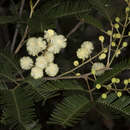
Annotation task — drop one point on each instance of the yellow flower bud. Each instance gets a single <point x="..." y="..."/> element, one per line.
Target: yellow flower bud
<point x="128" y="33"/>
<point x="102" y="56"/>
<point x="113" y="44"/>
<point x="129" y="80"/>
<point x="98" y="86"/>
<point x="117" y="80"/>
<point x="125" y="44"/>
<point x="116" y="26"/>
<point x="101" y="38"/>
<point x="109" y="87"/>
<point x="76" y="63"/>
<point x="118" y="52"/>
<point x="113" y="80"/>
<point x="104" y="95"/>
<point x="119" y="94"/>
<point x="127" y="9"/>
<point x="109" y="32"/>
<point x="105" y="50"/>
<point x="77" y="74"/>
<point x="117" y="19"/>
<point x="118" y="35"/>
<point x="126" y="82"/>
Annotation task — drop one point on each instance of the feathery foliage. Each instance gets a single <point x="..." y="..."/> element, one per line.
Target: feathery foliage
<point x="70" y="110"/>
<point x="116" y="69"/>
<point x="117" y="105"/>
<point x="18" y="110"/>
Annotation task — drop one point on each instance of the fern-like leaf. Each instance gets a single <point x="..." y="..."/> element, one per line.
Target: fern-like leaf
<point x="18" y="110"/>
<point x="116" y="69"/>
<point x="70" y="110"/>
<point x="117" y="105"/>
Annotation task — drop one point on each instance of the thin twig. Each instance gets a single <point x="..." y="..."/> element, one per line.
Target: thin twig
<point x="26" y="29"/>
<point x="90" y="92"/>
<point x="17" y="26"/>
<point x="75" y="28"/>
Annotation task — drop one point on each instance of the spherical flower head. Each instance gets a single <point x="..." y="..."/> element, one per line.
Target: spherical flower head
<point x="105" y="50"/>
<point x="26" y="63"/>
<point x="98" y="86"/>
<point x="41" y="62"/>
<point x="35" y="45"/>
<point x="127" y="9"/>
<point x="117" y="80"/>
<point x="102" y="56"/>
<point x="119" y="94"/>
<point x="113" y="44"/>
<point x="128" y="33"/>
<point x="52" y="69"/>
<point x="99" y="68"/>
<point x="48" y="34"/>
<point x="118" y="52"/>
<point x="126" y="82"/>
<point x="36" y="72"/>
<point x="49" y="56"/>
<point x="77" y="74"/>
<point x="116" y="26"/>
<point x="60" y="40"/>
<point x="104" y="96"/>
<point x="85" y="51"/>
<point x="109" y="32"/>
<point x="118" y="35"/>
<point x="76" y="63"/>
<point x="82" y="54"/>
<point x="101" y="38"/>
<point x="117" y="19"/>
<point x="57" y="42"/>
<point x="113" y="80"/>
<point x="125" y="44"/>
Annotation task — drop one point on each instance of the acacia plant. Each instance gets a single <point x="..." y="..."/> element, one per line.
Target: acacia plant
<point x="56" y="67"/>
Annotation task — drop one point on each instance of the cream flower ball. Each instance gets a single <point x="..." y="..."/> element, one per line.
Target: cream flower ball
<point x="81" y="53"/>
<point x="26" y="63"/>
<point x="85" y="50"/>
<point x="57" y="42"/>
<point x="88" y="45"/>
<point x="48" y="34"/>
<point x="36" y="72"/>
<point x="35" y="45"/>
<point x="52" y="69"/>
<point x="41" y="62"/>
<point x="98" y="68"/>
<point x="49" y="56"/>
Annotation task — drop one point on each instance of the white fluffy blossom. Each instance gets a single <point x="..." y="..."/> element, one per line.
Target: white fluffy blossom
<point x="49" y="56"/>
<point x="36" y="72"/>
<point x="52" y="69"/>
<point x="85" y="51"/>
<point x="41" y="62"/>
<point x="26" y="63"/>
<point x="35" y="45"/>
<point x="57" y="43"/>
<point x="48" y="34"/>
<point x="98" y="67"/>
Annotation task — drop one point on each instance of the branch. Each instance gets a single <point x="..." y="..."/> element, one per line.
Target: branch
<point x="75" y="28"/>
<point x="17" y="27"/>
<point x="26" y="29"/>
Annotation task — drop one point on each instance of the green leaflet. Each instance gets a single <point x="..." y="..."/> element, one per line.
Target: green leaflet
<point x="118" y="105"/>
<point x="18" y="110"/>
<point x="116" y="69"/>
<point x="70" y="110"/>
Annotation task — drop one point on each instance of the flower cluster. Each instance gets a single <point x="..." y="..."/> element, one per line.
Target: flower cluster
<point x="44" y="49"/>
